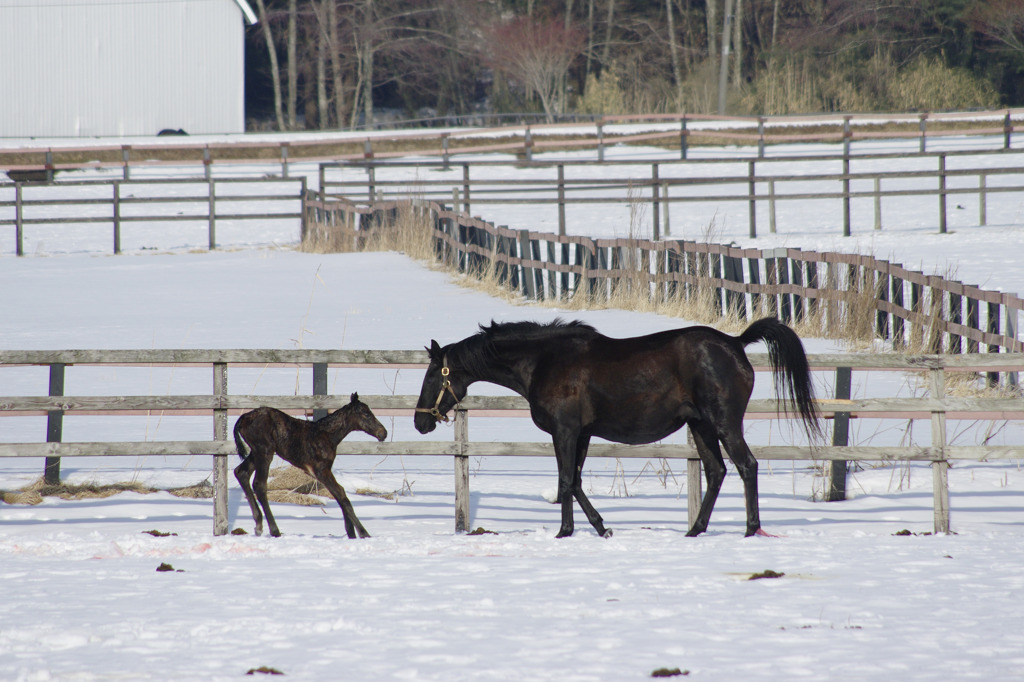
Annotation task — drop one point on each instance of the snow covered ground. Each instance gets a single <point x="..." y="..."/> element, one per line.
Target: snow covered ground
<point x="82" y="599"/>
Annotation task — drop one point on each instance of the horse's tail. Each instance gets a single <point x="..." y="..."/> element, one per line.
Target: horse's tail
<point x="239" y="443"/>
<point x="790" y="369"/>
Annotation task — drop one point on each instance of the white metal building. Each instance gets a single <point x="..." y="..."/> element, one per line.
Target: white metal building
<point x="122" y="67"/>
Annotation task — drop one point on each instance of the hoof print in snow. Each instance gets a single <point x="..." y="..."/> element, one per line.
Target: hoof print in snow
<point x="480" y="530"/>
<point x="167" y="568"/>
<point x="766" y="574"/>
<point x="264" y="670"/>
<point x="159" y="533"/>
<point x="669" y="672"/>
<point x="239" y="531"/>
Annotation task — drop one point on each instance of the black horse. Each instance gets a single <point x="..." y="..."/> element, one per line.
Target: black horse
<point x="637" y="390"/>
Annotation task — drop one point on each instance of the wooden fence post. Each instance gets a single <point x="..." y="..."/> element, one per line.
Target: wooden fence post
<point x="840" y="437"/>
<point x="684" y="134"/>
<point x="220" y="462"/>
<point x="465" y="189"/>
<point x="982" y="199"/>
<point x="117" y="216"/>
<point x="667" y="229"/>
<point x="284" y="159"/>
<point x="898" y="321"/>
<point x="942" y="193"/>
<point x="213" y="216"/>
<point x="462" y="511"/>
<point x="940" y="466"/>
<point x="125" y="157"/>
<point x="54" y="424"/>
<point x="973" y="314"/>
<point x="846" y="195"/>
<point x="19" y="221"/>
<point x="1011" y="332"/>
<point x="751" y="202"/>
<point x="655" y="203"/>
<point x="561" y="200"/>
<point x="529" y="283"/>
<point x="319" y="387"/>
<point x="694" y="491"/>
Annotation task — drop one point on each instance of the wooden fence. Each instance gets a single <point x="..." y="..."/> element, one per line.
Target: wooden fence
<point x="937" y="407"/>
<point x="757" y="183"/>
<point x="906" y="307"/>
<point x="116" y="203"/>
<point x="677" y="130"/>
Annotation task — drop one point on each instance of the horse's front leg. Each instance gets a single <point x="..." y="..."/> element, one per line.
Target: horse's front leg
<point x="582" y="443"/>
<point x="571" y="452"/>
<point x="353" y="527"/>
<point x="565" y="456"/>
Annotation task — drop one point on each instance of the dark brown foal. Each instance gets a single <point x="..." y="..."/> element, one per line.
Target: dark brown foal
<point x="310" y="446"/>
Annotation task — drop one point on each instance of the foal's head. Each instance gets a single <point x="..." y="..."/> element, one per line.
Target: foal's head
<point x="357" y="416"/>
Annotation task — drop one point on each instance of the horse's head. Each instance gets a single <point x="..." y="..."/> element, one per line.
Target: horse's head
<point x="365" y="420"/>
<point x="442" y="390"/>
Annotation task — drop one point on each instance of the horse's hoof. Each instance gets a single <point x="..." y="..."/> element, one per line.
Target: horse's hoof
<point x="564" y="534"/>
<point x="607" y="533"/>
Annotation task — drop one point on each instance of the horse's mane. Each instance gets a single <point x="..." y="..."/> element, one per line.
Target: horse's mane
<point x="479" y="350"/>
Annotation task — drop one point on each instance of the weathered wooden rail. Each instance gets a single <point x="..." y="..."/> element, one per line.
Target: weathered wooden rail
<point x="937" y="407"/>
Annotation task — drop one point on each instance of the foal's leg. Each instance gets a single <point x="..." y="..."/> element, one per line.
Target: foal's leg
<point x="324" y="474"/>
<point x="714" y="473"/>
<point x="259" y="485"/>
<point x="577" y="488"/>
<point x="243" y="472"/>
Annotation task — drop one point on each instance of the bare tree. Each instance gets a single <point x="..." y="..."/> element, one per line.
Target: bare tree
<point x="293" y="62"/>
<point x="537" y="53"/>
<point x="275" y="71"/>
<point x="677" y="71"/>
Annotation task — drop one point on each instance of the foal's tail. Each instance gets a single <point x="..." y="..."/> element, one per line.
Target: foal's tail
<point x="239" y="443"/>
<point x="789" y="367"/>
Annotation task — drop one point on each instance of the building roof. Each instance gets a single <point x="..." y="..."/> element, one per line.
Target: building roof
<point x="250" y="16"/>
<point x="243" y="5"/>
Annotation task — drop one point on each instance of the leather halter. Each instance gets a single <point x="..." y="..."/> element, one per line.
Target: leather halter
<point x="446" y="385"/>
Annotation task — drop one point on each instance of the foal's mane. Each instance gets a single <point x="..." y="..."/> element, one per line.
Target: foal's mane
<point x="479" y="350"/>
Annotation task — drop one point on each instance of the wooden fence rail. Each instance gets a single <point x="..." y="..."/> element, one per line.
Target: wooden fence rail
<point x="680" y="131"/>
<point x="117" y="203"/>
<point x="758" y="183"/>
<point x="936" y="407"/>
<point x="904" y="306"/>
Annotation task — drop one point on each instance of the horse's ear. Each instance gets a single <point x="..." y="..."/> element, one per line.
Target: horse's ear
<point x="355" y="397"/>
<point x="434" y="350"/>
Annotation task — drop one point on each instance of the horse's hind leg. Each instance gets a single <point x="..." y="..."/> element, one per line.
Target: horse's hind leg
<point x="243" y="472"/>
<point x="746" y="466"/>
<point x="352" y="524"/>
<point x="714" y="473"/>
